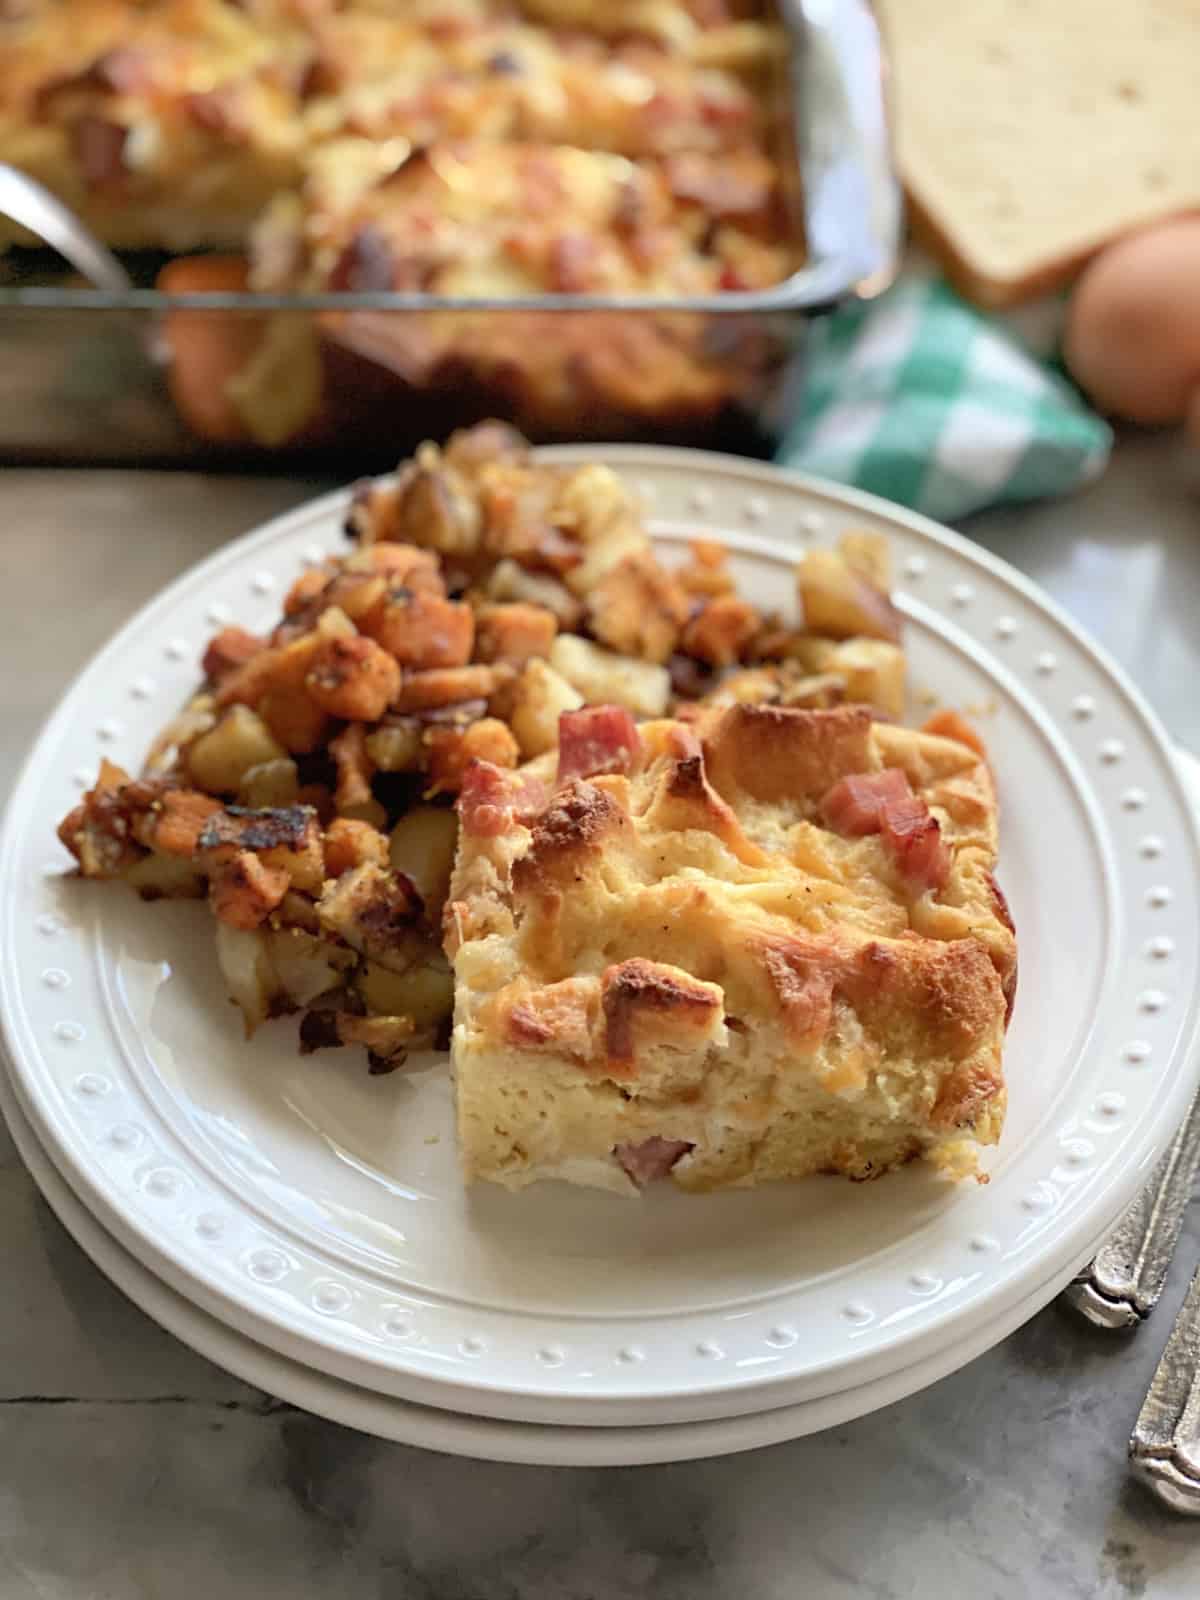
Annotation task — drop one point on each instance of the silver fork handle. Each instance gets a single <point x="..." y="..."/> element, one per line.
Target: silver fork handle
<point x="25" y="201"/>
<point x="1120" y="1287"/>
<point x="1164" y="1450"/>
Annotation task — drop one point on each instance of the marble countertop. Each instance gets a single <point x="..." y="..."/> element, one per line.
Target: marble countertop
<point x="132" y="1467"/>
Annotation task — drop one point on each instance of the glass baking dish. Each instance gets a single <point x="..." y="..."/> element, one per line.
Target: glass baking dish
<point x="90" y="374"/>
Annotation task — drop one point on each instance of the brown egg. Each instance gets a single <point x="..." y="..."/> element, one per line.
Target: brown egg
<point x="1132" y="340"/>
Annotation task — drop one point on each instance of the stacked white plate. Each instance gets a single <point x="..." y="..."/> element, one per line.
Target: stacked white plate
<point x="305" y="1225"/>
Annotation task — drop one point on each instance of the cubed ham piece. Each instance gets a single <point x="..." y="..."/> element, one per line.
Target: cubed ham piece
<point x="852" y="807"/>
<point x="594" y="740"/>
<point x="651" y="1159"/>
<point x="884" y="803"/>
<point x="493" y="798"/>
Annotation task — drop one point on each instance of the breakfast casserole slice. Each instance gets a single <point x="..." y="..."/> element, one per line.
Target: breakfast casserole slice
<point x="165" y="125"/>
<point x="759" y="945"/>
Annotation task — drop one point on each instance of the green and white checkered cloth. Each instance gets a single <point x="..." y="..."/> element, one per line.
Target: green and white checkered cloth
<point x="921" y="398"/>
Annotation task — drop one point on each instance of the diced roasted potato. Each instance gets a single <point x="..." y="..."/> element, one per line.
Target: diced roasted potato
<point x="603" y="678"/>
<point x="539" y="697"/>
<point x="435" y="507"/>
<point x="626" y="542"/>
<point x="396" y="746"/>
<point x="245" y="891"/>
<point x="867" y="554"/>
<point x="249" y="973"/>
<point x="357" y="594"/>
<point x="294" y="719"/>
<point x="594" y="502"/>
<point x="352" y="843"/>
<point x="840" y="602"/>
<point x="305" y="966"/>
<point x="286" y="840"/>
<point x="197" y="717"/>
<point x="297" y="911"/>
<point x="451" y="751"/>
<point x="423" y="990"/>
<point x="514" y="633"/>
<point x="374" y="911"/>
<point x="446" y="686"/>
<point x="422" y="630"/>
<point x="333" y="623"/>
<point x="872" y="670"/>
<point x="180" y="820"/>
<point x="422" y="846"/>
<point x="273" y="783"/>
<point x="158" y="877"/>
<point x="353" y="678"/>
<point x="707" y="573"/>
<point x="399" y="564"/>
<point x="638" y="608"/>
<point x="220" y="759"/>
<point x="312" y="582"/>
<point x="721" y="630"/>
<point x="354" y="767"/>
<point x="510" y="581"/>
<point x="230" y="648"/>
<point x="817" y="691"/>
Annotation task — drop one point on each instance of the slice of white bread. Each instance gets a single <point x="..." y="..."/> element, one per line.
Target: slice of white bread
<point x="1031" y="132"/>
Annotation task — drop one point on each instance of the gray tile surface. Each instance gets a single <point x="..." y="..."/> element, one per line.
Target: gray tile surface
<point x="131" y="1467"/>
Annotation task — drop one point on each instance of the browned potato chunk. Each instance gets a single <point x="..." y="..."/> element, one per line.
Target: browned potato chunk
<point x="273" y="783"/>
<point x="181" y="821"/>
<point x="357" y="593"/>
<point x="245" y="891"/>
<point x="435" y="507"/>
<point x="422" y="630"/>
<point x="872" y="670"/>
<point x="423" y="991"/>
<point x="605" y="678"/>
<point x="249" y="974"/>
<point x="397" y="746"/>
<point x="220" y="759"/>
<point x="158" y="877"/>
<point x="230" y="648"/>
<point x="306" y="967"/>
<point x="446" y="686"/>
<point x="539" y="697"/>
<point x="403" y="565"/>
<point x="422" y="846"/>
<point x="451" y="751"/>
<point x="707" y="573"/>
<point x="867" y="554"/>
<point x="294" y="719"/>
<point x="312" y="582"/>
<point x="374" y="911"/>
<point x="514" y="633"/>
<point x="384" y="1038"/>
<point x="510" y="581"/>
<point x="350" y="843"/>
<point x="354" y="766"/>
<point x="721" y="631"/>
<point x="353" y="678"/>
<point x="287" y="839"/>
<point x="637" y="608"/>
<point x="842" y="604"/>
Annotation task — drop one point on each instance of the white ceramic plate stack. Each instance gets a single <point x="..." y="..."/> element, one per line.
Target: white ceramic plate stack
<point x="305" y="1225"/>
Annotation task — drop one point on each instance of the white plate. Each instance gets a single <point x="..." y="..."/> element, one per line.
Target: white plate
<point x="529" y="1443"/>
<point x="307" y="1205"/>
